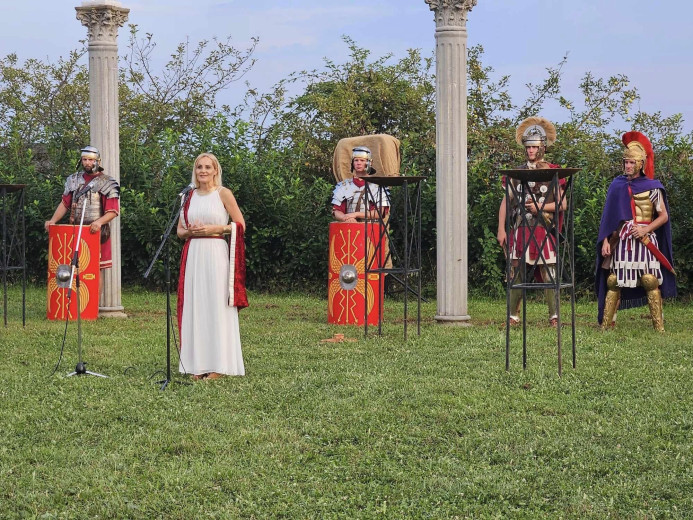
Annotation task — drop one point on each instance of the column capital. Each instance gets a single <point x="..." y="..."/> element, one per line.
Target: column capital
<point x="102" y="21"/>
<point x="451" y="12"/>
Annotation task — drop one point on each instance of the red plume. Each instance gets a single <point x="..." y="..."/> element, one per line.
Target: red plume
<point x="647" y="145"/>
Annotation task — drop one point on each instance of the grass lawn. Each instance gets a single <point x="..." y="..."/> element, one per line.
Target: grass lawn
<point x="377" y="428"/>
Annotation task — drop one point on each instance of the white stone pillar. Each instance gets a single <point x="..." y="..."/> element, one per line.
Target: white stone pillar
<point x="102" y="19"/>
<point x="451" y="157"/>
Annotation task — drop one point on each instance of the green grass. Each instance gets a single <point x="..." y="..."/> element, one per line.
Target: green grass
<point x="378" y="428"/>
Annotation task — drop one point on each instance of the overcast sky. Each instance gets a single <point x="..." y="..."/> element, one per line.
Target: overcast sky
<point x="650" y="42"/>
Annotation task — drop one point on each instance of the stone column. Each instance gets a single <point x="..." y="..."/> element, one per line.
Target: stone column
<point x="451" y="157"/>
<point x="102" y="19"/>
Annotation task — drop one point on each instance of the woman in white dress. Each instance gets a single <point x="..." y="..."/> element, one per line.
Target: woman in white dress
<point x="210" y="338"/>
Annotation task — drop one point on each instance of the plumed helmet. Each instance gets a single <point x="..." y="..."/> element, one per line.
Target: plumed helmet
<point x="91" y="152"/>
<point x="361" y="152"/>
<point x="535" y="131"/>
<point x="639" y="149"/>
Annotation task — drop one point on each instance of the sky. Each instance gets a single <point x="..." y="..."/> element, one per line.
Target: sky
<point x="649" y="42"/>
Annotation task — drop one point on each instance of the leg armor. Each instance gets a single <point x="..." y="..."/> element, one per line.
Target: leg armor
<point x="613" y="297"/>
<point x="548" y="275"/>
<point x="515" y="300"/>
<point x="515" y="297"/>
<point x="550" y="297"/>
<point x="654" y="300"/>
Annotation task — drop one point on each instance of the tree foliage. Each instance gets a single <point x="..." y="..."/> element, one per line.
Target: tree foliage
<point x="276" y="149"/>
<point x="358" y="97"/>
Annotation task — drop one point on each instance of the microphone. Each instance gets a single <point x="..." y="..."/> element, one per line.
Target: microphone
<point x="87" y="188"/>
<point x="187" y="189"/>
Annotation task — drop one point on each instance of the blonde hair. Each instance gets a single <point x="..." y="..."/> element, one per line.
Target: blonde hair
<point x="215" y="164"/>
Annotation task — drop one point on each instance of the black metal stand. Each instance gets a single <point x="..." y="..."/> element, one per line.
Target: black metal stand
<point x="164" y="241"/>
<point x="13" y="254"/>
<point x="406" y="264"/>
<point x="80" y="368"/>
<point x="559" y="233"/>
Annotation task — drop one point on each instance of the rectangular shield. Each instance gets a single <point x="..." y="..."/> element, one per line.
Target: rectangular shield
<point x="61" y="246"/>
<point x="349" y="293"/>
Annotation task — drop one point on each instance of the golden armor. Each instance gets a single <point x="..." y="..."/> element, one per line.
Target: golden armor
<point x="644" y="209"/>
<point x="613" y="297"/>
<point x="654" y="300"/>
<point x="650" y="284"/>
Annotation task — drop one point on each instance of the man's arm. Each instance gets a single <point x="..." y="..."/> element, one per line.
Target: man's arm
<point x="642" y="231"/>
<point x="95" y="227"/>
<point x="340" y="216"/>
<point x="60" y="212"/>
<point x="501" y="236"/>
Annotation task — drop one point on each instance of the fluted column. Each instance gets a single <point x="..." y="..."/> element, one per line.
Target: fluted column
<point x="102" y="19"/>
<point x="451" y="157"/>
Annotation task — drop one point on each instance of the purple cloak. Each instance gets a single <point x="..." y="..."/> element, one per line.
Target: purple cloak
<point x="617" y="209"/>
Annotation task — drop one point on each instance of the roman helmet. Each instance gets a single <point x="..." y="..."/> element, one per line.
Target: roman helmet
<point x="536" y="131"/>
<point x="639" y="149"/>
<point x="361" y="152"/>
<point x="92" y="153"/>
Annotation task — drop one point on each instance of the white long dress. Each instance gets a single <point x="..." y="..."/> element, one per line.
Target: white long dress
<point x="210" y="337"/>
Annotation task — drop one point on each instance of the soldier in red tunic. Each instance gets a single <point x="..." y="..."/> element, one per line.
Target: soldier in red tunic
<point x="102" y="201"/>
<point x="349" y="196"/>
<point x="535" y="134"/>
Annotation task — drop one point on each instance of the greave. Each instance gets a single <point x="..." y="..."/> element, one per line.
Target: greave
<point x="515" y="299"/>
<point x="613" y="297"/>
<point x="654" y="300"/>
<point x="550" y="296"/>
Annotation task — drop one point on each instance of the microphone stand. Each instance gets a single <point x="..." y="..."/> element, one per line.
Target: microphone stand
<point x="164" y="240"/>
<point x="81" y="367"/>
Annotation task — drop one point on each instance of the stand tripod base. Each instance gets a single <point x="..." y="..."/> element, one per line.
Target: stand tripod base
<point x="81" y="370"/>
<point x="165" y="382"/>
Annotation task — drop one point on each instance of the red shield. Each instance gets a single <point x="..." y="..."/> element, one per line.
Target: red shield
<point x="61" y="242"/>
<point x="348" y="291"/>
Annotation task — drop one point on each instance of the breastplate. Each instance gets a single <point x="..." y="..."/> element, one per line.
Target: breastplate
<point x="92" y="209"/>
<point x="542" y="195"/>
<point x="644" y="209"/>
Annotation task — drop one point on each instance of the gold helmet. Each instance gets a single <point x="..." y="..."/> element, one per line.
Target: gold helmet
<point x="639" y="149"/>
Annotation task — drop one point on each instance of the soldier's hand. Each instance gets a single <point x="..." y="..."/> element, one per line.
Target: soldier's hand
<point x="502" y="238"/>
<point x="606" y="247"/>
<point x="531" y="207"/>
<point x="95" y="227"/>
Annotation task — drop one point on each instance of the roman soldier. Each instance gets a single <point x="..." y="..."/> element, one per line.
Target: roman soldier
<point x="530" y="216"/>
<point x="97" y="195"/>
<point x="634" y="254"/>
<point x="349" y="196"/>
